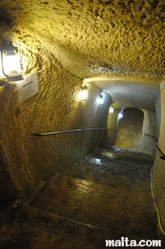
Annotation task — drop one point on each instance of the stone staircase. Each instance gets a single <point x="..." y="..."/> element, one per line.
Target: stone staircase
<point x="106" y="196"/>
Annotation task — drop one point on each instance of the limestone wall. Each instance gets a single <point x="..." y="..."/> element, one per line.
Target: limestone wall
<point x="25" y="160"/>
<point x="112" y="125"/>
<point x="159" y="167"/>
<point x="150" y="128"/>
<point x="158" y="115"/>
<point x="95" y="37"/>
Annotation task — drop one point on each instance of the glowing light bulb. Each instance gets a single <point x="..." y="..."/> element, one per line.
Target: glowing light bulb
<point x="100" y="99"/>
<point x="111" y="109"/>
<point x="84" y="93"/>
<point x="120" y="115"/>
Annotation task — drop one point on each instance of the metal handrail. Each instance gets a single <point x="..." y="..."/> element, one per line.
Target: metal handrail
<point x="69" y="131"/>
<point x="158" y="150"/>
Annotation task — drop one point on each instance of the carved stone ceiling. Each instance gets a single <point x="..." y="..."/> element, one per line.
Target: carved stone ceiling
<point x="122" y="39"/>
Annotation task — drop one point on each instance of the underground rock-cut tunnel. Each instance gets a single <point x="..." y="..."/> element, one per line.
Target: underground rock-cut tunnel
<point x="64" y="158"/>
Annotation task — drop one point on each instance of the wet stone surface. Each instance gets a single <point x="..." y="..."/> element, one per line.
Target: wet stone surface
<point x="99" y="199"/>
<point x="24" y="227"/>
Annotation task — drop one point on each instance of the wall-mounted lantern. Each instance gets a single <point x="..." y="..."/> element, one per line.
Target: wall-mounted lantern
<point x="111" y="109"/>
<point x="100" y="99"/>
<point x="120" y="114"/>
<point x="11" y="65"/>
<point x="84" y="93"/>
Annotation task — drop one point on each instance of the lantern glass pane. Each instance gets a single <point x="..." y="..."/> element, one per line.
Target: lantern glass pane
<point x="11" y="64"/>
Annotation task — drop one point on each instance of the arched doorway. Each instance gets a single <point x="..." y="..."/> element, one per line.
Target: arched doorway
<point x="130" y="129"/>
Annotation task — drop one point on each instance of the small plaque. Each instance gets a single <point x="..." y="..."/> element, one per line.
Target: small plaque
<point x="27" y="87"/>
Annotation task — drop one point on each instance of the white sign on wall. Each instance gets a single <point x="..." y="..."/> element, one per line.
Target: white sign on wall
<point x="27" y="87"/>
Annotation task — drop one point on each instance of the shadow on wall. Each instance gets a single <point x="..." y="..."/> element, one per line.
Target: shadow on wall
<point x="130" y="129"/>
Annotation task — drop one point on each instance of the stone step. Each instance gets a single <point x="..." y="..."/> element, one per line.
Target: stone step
<point x="120" y="211"/>
<point x="109" y="176"/>
<point x="24" y="227"/>
<point x="117" y="167"/>
<point x="101" y="159"/>
<point x="114" y="193"/>
<point x="128" y="155"/>
<point x="38" y="191"/>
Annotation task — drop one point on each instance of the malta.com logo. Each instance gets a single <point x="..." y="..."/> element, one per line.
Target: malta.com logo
<point x="125" y="242"/>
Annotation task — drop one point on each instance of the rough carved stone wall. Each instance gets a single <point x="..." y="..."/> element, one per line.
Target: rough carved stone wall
<point x="26" y="160"/>
<point x="149" y="128"/>
<point x="96" y="37"/>
<point x="159" y="167"/>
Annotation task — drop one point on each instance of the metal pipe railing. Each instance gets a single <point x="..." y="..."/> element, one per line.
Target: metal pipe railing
<point x="69" y="131"/>
<point x="158" y="150"/>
